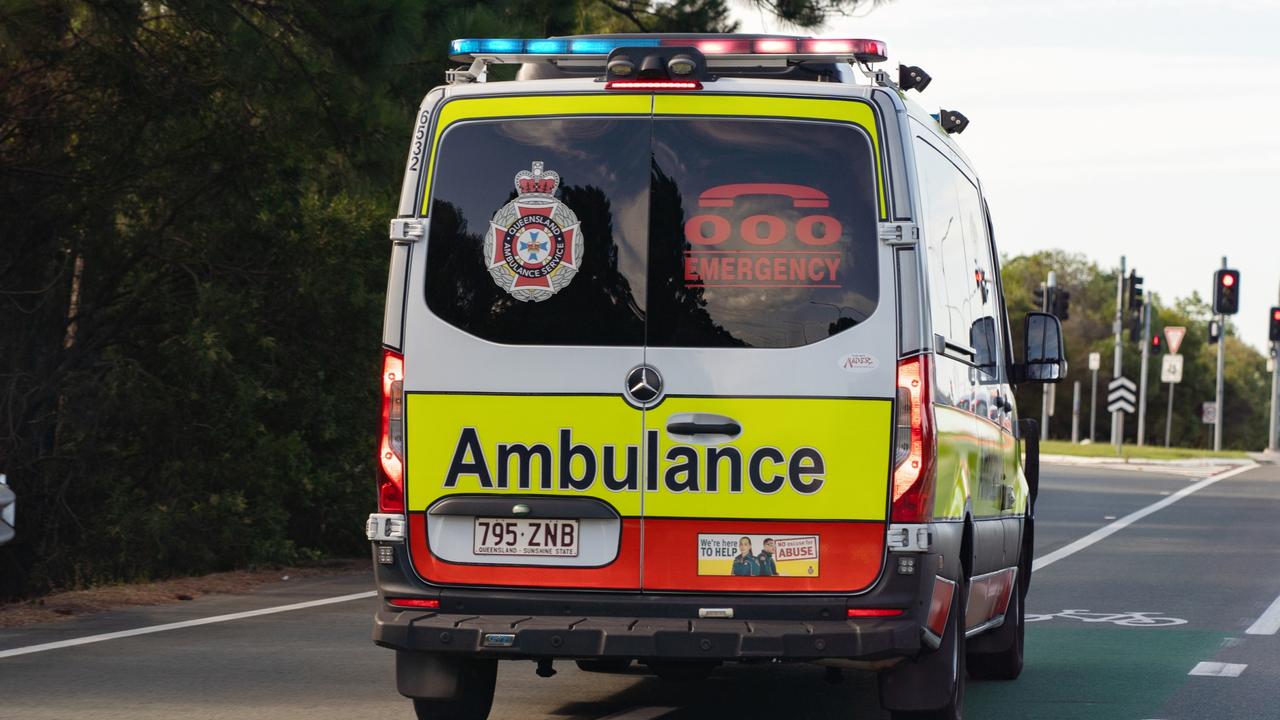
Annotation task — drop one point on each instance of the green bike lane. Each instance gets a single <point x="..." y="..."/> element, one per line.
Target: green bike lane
<point x="1210" y="559"/>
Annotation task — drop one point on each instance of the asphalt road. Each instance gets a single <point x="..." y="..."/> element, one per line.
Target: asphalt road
<point x="1210" y="562"/>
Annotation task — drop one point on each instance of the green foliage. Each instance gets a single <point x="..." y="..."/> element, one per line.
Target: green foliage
<point x="192" y="262"/>
<point x="1089" y="329"/>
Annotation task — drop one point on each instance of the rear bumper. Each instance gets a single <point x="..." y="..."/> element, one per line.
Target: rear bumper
<point x="645" y="637"/>
<point x="655" y="625"/>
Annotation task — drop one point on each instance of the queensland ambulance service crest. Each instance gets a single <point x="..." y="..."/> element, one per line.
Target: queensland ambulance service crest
<point x="534" y="244"/>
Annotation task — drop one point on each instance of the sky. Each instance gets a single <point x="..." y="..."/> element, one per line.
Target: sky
<point x="1145" y="128"/>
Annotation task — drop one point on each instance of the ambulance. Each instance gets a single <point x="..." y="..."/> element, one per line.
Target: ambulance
<point x="696" y="353"/>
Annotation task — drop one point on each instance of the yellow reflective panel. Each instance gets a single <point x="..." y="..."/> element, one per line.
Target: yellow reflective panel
<point x="856" y="111"/>
<point x="523" y="444"/>
<point x="797" y="458"/>
<point x="487" y="108"/>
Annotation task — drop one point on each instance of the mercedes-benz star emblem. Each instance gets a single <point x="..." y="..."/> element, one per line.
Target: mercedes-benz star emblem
<point x="644" y="385"/>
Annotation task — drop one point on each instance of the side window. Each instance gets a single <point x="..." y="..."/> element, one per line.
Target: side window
<point x="963" y="299"/>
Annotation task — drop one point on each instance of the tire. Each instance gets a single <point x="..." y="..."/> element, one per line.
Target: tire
<point x="1005" y="664"/>
<point x="605" y="665"/>
<point x="476" y="684"/>
<point x="948" y="661"/>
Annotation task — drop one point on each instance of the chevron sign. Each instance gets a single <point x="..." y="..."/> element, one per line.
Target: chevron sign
<point x="1122" y="395"/>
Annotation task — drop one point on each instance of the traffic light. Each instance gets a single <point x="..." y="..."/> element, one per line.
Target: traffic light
<point x="1037" y="296"/>
<point x="1275" y="324"/>
<point x="1226" y="292"/>
<point x="1215" y="330"/>
<point x="1135" y="326"/>
<point x="1135" y="290"/>
<point x="1062" y="304"/>
<point x="1155" y="343"/>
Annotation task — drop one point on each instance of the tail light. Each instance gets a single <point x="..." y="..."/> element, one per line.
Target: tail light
<point x="417" y="603"/>
<point x="876" y="612"/>
<point x="391" y="435"/>
<point x="914" y="444"/>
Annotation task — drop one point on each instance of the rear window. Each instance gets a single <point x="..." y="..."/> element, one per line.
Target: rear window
<point x="679" y="232"/>
<point x="561" y="263"/>
<point x="762" y="232"/>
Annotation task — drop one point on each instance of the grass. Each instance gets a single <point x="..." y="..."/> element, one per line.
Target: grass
<point x="1133" y="452"/>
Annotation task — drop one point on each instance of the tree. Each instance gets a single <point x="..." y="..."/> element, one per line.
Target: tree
<point x="193" y="257"/>
<point x="1089" y="329"/>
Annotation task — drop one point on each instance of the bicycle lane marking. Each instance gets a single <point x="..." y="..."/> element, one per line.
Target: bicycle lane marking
<point x="1108" y="530"/>
<point x="1104" y="664"/>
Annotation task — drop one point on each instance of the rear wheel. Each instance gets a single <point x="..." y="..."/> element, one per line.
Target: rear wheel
<point x="476" y="682"/>
<point x="939" y="674"/>
<point x="605" y="665"/>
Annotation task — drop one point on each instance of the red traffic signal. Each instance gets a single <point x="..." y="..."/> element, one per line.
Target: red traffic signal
<point x="1275" y="324"/>
<point x="1226" y="292"/>
<point x="1155" y="341"/>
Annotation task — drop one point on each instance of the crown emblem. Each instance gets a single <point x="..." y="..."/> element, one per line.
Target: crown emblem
<point x="537" y="181"/>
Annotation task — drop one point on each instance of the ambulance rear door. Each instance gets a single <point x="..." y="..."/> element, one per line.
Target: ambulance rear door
<point x="525" y="315"/>
<point x="770" y="325"/>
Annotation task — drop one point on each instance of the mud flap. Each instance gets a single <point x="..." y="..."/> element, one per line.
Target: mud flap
<point x="430" y="676"/>
<point x="927" y="683"/>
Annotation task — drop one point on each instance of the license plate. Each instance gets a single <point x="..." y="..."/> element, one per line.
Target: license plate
<point x="539" y="538"/>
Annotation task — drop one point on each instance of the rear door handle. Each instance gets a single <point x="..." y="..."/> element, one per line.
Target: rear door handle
<point x="697" y="428"/>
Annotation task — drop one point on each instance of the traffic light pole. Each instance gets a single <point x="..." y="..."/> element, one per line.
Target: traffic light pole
<point x="1146" y="357"/>
<point x="1044" y="393"/>
<point x="1222" y="344"/>
<point x="1117" y="417"/>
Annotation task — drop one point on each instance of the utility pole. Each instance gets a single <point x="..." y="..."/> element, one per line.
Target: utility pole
<point x="1075" y="414"/>
<point x="1273" y="439"/>
<point x="1222" y="360"/>
<point x="1095" y="362"/>
<point x="1045" y="398"/>
<point x="1117" y="417"/>
<point x="1146" y="356"/>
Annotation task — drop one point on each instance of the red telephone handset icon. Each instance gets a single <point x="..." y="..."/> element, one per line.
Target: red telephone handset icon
<point x="801" y="195"/>
<point x="774" y="228"/>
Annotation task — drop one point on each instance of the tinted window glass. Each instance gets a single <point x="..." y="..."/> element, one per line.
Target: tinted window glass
<point x="763" y="232"/>
<point x="538" y="230"/>
<point x="962" y="286"/>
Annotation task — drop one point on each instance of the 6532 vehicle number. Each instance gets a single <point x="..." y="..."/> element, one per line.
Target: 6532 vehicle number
<point x="545" y="538"/>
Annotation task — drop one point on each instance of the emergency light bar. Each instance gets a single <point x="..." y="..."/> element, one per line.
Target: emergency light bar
<point x="515" y="50"/>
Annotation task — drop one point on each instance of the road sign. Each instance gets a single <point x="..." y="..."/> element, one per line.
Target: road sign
<point x="1174" y="334"/>
<point x="1120" y="395"/>
<point x="1095" y="361"/>
<point x="1209" y="413"/>
<point x="1171" y="369"/>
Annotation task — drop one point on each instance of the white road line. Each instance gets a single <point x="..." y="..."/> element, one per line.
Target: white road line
<point x="640" y="713"/>
<point x="184" y="624"/>
<point x="1217" y="669"/>
<point x="1108" y="530"/>
<point x="1269" y="623"/>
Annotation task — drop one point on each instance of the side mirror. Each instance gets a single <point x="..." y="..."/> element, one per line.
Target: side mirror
<point x="1043" y="358"/>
